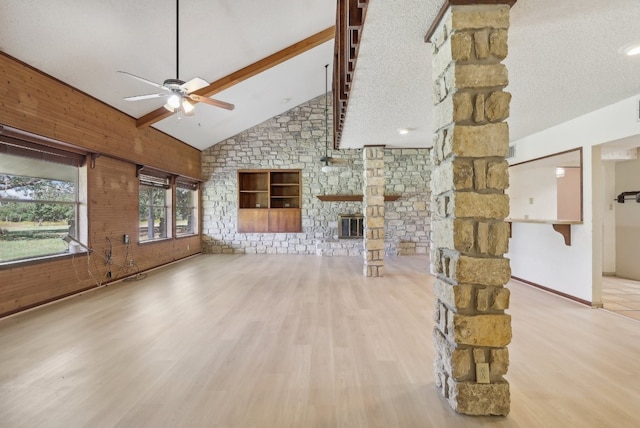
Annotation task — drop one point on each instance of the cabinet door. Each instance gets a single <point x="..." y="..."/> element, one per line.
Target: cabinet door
<point x="253" y="220"/>
<point x="286" y="220"/>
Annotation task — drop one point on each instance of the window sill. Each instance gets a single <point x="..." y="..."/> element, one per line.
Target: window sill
<point x="38" y="260"/>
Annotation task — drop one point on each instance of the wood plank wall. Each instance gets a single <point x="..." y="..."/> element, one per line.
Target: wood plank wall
<point x="34" y="102"/>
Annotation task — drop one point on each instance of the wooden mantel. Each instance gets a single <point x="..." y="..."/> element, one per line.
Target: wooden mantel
<point x="352" y="198"/>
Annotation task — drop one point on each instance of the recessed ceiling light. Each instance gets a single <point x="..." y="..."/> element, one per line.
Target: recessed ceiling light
<point x="631" y="49"/>
<point x="403" y="131"/>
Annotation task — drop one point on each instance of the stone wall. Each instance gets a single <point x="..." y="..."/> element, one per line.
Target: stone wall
<point x="296" y="139"/>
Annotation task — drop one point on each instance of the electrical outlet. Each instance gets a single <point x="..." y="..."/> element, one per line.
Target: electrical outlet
<point x="530" y="201"/>
<point x="482" y="373"/>
<point x="125" y="239"/>
<point x="131" y="262"/>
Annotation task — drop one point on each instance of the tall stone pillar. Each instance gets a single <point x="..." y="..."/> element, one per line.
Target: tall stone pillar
<point x="373" y="210"/>
<point x="470" y="236"/>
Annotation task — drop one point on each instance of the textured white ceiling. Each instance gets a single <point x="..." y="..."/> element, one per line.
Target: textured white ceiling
<point x="563" y="59"/>
<point x="563" y="62"/>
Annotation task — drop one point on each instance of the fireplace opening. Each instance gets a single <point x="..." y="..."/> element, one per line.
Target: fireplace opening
<point x="350" y="226"/>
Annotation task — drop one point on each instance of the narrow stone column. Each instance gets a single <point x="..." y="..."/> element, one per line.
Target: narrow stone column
<point x="373" y="210"/>
<point x="470" y="236"/>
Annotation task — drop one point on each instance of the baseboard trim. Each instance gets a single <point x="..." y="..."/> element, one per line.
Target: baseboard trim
<point x="552" y="291"/>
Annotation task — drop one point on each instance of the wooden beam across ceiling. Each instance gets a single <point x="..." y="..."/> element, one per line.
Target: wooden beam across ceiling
<point x="247" y="72"/>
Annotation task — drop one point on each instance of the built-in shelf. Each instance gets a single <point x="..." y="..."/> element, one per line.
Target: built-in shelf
<point x="563" y="227"/>
<point x="354" y="198"/>
<point x="269" y="201"/>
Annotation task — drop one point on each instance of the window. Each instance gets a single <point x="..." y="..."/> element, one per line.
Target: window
<point x="154" y="206"/>
<point x="186" y="207"/>
<point x="40" y="195"/>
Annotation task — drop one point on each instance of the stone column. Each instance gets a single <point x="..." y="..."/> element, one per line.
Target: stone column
<point x="373" y="210"/>
<point x="470" y="236"/>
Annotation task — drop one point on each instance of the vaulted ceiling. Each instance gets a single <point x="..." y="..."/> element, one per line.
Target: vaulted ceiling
<point x="564" y="59"/>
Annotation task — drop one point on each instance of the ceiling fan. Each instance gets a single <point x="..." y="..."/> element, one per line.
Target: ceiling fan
<point x="178" y="93"/>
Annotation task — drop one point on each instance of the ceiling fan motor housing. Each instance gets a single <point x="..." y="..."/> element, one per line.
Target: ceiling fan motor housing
<point x="173" y="84"/>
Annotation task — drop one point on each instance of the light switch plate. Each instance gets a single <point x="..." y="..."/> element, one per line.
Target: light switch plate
<point x="482" y="373"/>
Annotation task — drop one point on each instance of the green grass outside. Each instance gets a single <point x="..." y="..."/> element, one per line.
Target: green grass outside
<point x="22" y="249"/>
<point x="21" y="240"/>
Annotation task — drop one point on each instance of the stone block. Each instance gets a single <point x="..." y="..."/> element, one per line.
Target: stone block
<point x="482" y="205"/>
<point x="443" y="113"/>
<point x="479" y="330"/>
<point x="483" y="238"/>
<point x="490" y="140"/>
<point x="374" y="244"/>
<point x="462" y="106"/>
<point x="478" y="114"/>
<point x="461" y="44"/>
<point x="456" y="362"/>
<point x="483" y="299"/>
<point x="463" y="235"/>
<point x="457" y="296"/>
<point x="500" y="299"/>
<point x="498" y="364"/>
<point x="497" y="106"/>
<point x="479" y="356"/>
<point x="499" y="238"/>
<point x="478" y="399"/>
<point x="480" y="76"/>
<point x="480" y="174"/>
<point x="481" y="43"/>
<point x="479" y="17"/>
<point x="481" y="271"/>
<point x="498" y="44"/>
<point x="441" y="60"/>
<point x="442" y="235"/>
<point x="498" y="175"/>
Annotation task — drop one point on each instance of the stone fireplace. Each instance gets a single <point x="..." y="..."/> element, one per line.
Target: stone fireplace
<point x="350" y="226"/>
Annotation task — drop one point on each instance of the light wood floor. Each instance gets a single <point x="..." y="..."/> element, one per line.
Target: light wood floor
<point x="622" y="296"/>
<point x="298" y="341"/>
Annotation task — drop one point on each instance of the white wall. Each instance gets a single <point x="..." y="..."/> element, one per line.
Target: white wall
<point x="532" y="194"/>
<point x="537" y="253"/>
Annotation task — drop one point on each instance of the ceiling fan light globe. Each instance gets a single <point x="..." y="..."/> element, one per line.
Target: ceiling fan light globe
<point x="174" y="101"/>
<point x="187" y="107"/>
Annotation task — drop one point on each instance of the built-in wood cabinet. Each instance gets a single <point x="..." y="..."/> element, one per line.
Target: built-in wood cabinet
<point x="269" y="201"/>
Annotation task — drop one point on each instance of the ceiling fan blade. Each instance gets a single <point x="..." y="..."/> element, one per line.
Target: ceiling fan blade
<point x="194" y="84"/>
<point x="142" y="79"/>
<point x="144" y="97"/>
<point x="211" y="101"/>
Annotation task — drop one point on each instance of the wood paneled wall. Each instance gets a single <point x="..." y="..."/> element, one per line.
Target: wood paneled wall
<point x="34" y="102"/>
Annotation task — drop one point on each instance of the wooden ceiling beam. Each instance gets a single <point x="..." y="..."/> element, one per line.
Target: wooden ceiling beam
<point x="247" y="72"/>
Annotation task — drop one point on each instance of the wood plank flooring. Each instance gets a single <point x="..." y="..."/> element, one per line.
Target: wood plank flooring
<point x="258" y="341"/>
<point x="622" y="296"/>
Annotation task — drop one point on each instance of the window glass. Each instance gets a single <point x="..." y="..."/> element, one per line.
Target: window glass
<point x="153" y="207"/>
<point x="38" y="207"/>
<point x="186" y="208"/>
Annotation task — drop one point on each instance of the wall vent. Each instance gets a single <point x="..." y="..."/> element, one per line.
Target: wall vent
<point x="512" y="152"/>
<point x="638" y="111"/>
